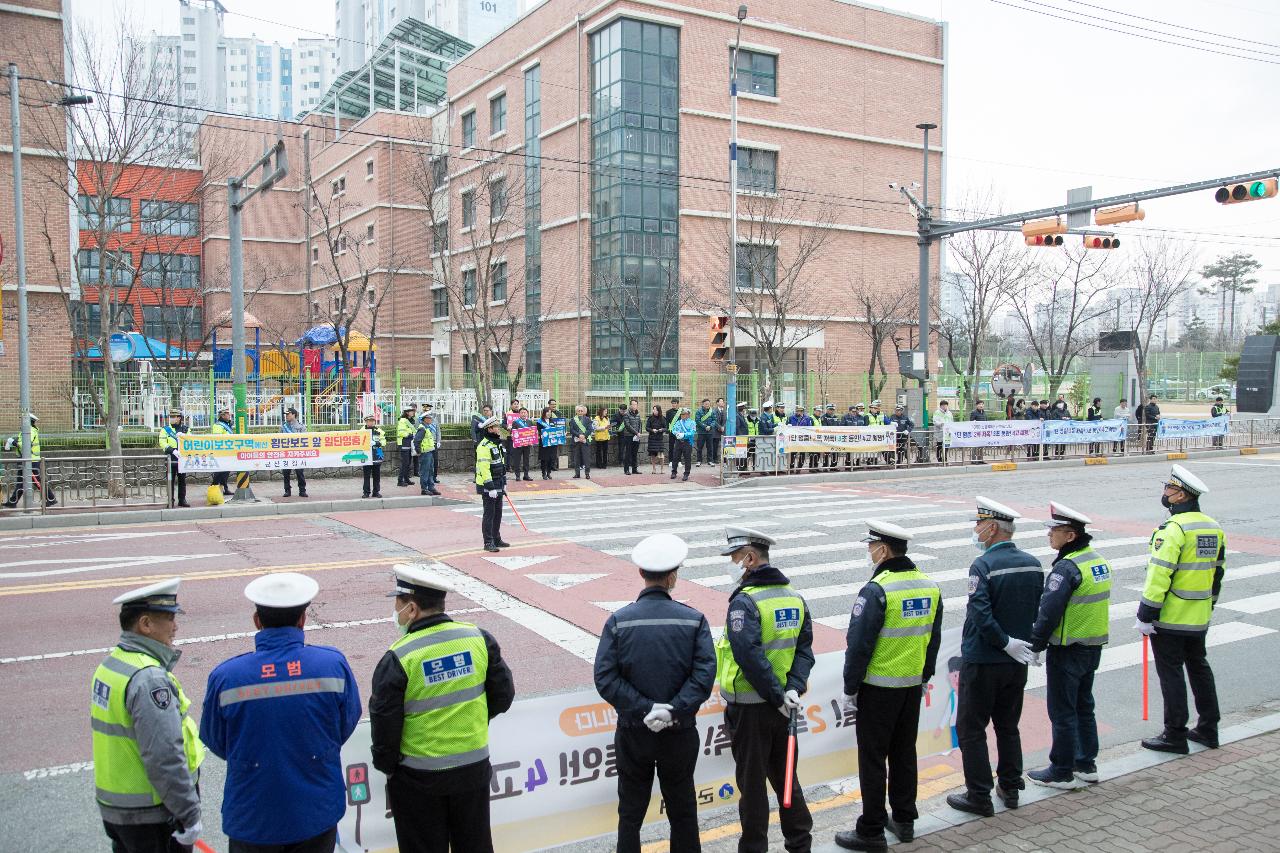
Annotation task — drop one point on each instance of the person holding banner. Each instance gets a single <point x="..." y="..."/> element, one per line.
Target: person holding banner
<point x="222" y="426"/>
<point x="520" y="455"/>
<point x="546" y="451"/>
<point x="1072" y="626"/>
<point x="763" y="661"/>
<point x="799" y="419"/>
<point x="1218" y="410"/>
<point x="491" y="481"/>
<point x="655" y="665"/>
<point x="894" y="635"/>
<point x="1184" y="577"/>
<point x="169" y="444"/>
<point x="944" y="415"/>
<point x="431" y="736"/>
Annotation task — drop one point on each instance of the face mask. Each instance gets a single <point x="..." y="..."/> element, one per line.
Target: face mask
<point x="1165" y="502"/>
<point x="395" y="617"/>
<point x="977" y="541"/>
<point x="736" y="572"/>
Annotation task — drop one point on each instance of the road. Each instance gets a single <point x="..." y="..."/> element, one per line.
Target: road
<point x="546" y="598"/>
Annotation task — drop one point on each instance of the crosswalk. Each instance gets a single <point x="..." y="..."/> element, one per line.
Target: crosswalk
<point x="819" y="533"/>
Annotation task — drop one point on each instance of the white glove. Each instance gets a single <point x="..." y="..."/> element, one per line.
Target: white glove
<point x="791" y="701"/>
<point x="1019" y="650"/>
<point x="188" y="836"/>
<point x="659" y="717"/>
<point x="493" y="493"/>
<point x="1145" y="628"/>
<point x="850" y="704"/>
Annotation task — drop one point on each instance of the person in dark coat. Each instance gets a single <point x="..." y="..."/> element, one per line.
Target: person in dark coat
<point x="1149" y="417"/>
<point x="660" y="436"/>
<point x="581" y="435"/>
<point x="630" y="433"/>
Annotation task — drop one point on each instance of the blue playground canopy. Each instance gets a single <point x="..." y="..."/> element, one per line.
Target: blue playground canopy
<point x="145" y="347"/>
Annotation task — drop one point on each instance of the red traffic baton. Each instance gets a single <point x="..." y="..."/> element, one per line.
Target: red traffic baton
<point x="792" y="728"/>
<point x="1146" y="648"/>
<point x="511" y="504"/>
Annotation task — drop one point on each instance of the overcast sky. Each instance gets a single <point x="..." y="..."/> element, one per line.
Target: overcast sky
<point x="1045" y="95"/>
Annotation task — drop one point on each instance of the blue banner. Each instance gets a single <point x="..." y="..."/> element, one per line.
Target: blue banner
<point x="554" y="435"/>
<point x="1186" y="428"/>
<point x="1079" y="432"/>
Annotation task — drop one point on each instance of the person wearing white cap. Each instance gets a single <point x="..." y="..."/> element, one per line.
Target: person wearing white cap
<point x="763" y="661"/>
<point x="1005" y="583"/>
<point x="655" y="665"/>
<point x="491" y="480"/>
<point x="146" y="752"/>
<point x="434" y="693"/>
<point x="223" y="426"/>
<point x="768" y="420"/>
<point x="1184" y="577"/>
<point x="894" y="634"/>
<point x="14" y="444"/>
<point x="169" y="445"/>
<point x="279" y="716"/>
<point x="1072" y="626"/>
<point x="372" y="472"/>
<point x="683" y="433"/>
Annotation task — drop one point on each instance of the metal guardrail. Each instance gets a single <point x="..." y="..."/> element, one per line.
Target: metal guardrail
<point x="89" y="482"/>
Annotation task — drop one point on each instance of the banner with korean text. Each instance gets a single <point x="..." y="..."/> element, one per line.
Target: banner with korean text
<point x="1079" y="432"/>
<point x="991" y="433"/>
<point x="820" y="439"/>
<point x="1188" y="428"/>
<point x="273" y="451"/>
<point x="555" y="433"/>
<point x="554" y="778"/>
<point x="524" y="436"/>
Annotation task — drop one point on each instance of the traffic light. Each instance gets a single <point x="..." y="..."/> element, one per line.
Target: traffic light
<point x="719" y="338"/>
<point x="1091" y="242"/>
<point x="1252" y="191"/>
<point x="1045" y="240"/>
<point x="357" y="784"/>
<point x="1043" y="228"/>
<point x="1118" y="214"/>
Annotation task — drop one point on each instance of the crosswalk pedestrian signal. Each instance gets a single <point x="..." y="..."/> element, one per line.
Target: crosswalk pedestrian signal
<point x="357" y="784"/>
<point x="719" y="338"/>
<point x="1043" y="240"/>
<point x="1101" y="242"/>
<point x="1249" y="191"/>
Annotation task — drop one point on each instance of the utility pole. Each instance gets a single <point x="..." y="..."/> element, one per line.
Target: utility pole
<point x="731" y="383"/>
<point x="924" y="287"/>
<point x="20" y="259"/>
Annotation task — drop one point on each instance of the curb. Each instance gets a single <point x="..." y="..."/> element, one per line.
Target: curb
<point x="263" y="509"/>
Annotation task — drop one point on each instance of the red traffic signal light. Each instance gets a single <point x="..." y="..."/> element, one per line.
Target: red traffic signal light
<point x="1091" y="242"/>
<point x="719" y="349"/>
<point x="1251" y="191"/>
<point x="1045" y="240"/>
<point x="357" y="784"/>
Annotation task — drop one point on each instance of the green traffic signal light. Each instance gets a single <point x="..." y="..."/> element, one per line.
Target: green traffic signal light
<point x="1258" y="189"/>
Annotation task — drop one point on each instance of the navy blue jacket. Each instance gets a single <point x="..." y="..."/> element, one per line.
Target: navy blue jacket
<point x="1064" y="579"/>
<point x="655" y="650"/>
<point x="768" y="423"/>
<point x="868" y="618"/>
<point x="743" y="628"/>
<point x="1004" y="596"/>
<point x="279" y="717"/>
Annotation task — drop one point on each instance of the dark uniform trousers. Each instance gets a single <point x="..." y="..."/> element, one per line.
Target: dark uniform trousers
<point x="1173" y="652"/>
<point x="759" y="740"/>
<point x="887" y="723"/>
<point x="143" y="838"/>
<point x="418" y="813"/>
<point x="673" y="754"/>
<point x="1069" y="671"/>
<point x="176" y="480"/>
<point x="991" y="693"/>
<point x="322" y="843"/>
<point x="491" y="521"/>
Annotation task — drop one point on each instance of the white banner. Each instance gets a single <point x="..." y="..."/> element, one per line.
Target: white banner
<point x="1078" y="432"/>
<point x="991" y="433"/>
<point x="1187" y="428"/>
<point x="819" y="439"/>
<point x="554" y="777"/>
<point x="273" y="451"/>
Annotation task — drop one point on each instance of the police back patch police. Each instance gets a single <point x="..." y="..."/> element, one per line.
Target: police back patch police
<point x="447" y="668"/>
<point x="101" y="694"/>
<point x="916" y="608"/>
<point x="1207" y="546"/>
<point x="785" y="618"/>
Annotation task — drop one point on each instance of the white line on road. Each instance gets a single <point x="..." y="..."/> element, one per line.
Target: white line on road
<point x="624" y="522"/>
<point x="50" y="540"/>
<point x="719" y="542"/>
<point x="57" y="770"/>
<point x="745" y="493"/>
<point x="1254" y="604"/>
<point x="99" y="567"/>
<point x="876" y="513"/>
<point x="689" y="528"/>
<point x="1254" y="571"/>
<point x="800" y="571"/>
<point x="558" y="506"/>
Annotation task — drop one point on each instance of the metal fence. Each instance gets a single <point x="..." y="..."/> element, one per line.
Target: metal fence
<point x="88" y="483"/>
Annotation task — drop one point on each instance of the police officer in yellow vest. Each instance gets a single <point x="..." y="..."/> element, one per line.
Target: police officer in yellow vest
<point x="434" y="693"/>
<point x="14" y="444"/>
<point x="491" y="481"/>
<point x="763" y="661"/>
<point x="1072" y="625"/>
<point x="146" y="752"/>
<point x="1184" y="576"/>
<point x="894" y="634"/>
<point x="169" y="444"/>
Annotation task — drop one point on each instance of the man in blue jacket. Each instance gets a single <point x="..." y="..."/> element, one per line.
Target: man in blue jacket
<point x="655" y="665"/>
<point x="1005" y="584"/>
<point x="279" y="716"/>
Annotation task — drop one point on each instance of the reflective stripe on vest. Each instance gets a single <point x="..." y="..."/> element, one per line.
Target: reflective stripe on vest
<point x="1085" y="621"/>
<point x="487" y="452"/>
<point x="119" y="775"/>
<point x="910" y="610"/>
<point x="1180" y="577"/>
<point x="276" y="689"/>
<point x="446" y="710"/>
<point x="782" y="613"/>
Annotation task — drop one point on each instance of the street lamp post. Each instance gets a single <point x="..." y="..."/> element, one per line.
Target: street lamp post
<point x="731" y="385"/>
<point x="924" y="285"/>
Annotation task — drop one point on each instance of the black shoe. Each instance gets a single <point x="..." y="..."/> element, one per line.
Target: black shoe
<point x="433" y="493"/>
<point x="685" y="477"/>
<point x="966" y="802"/>
<point x="1164" y="742"/>
<point x="364" y="496"/>
<point x="1086" y="772"/>
<point x="185" y="505"/>
<point x="576" y="477"/>
<point x="502" y="544"/>
<point x="303" y="495"/>
<point x="527" y="478"/>
<point x="906" y="830"/>
<point x="377" y="494"/>
<point x="851" y="840"/>
<point x="588" y="475"/>
<point x="1203" y="739"/>
<point x="673" y="476"/>
<point x="1008" y="796"/>
<point x="1064" y="780"/>
<point x="489" y="546"/>
<point x="288" y="494"/>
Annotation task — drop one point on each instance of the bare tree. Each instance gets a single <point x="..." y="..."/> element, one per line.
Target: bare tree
<point x="1161" y="273"/>
<point x="1058" y="307"/>
<point x="884" y="311"/>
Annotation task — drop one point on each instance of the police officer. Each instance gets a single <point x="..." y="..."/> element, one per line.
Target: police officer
<point x="146" y="754"/>
<point x="1217" y="410"/>
<point x="830" y="419"/>
<point x="169" y="444"/>
<point x="491" y="481"/>
<point x="14" y="444"/>
<point x="426" y="439"/>
<point x="223" y="426"/>
<point x="1184" y="577"/>
<point x="279" y="716"/>
<point x="406" y="426"/>
<point x="431" y="738"/>
<point x="655" y="665"/>
<point x="768" y="420"/>
<point x="894" y="634"/>
<point x="763" y="661"/>
<point x="1072" y="625"/>
<point x="1005" y="583"/>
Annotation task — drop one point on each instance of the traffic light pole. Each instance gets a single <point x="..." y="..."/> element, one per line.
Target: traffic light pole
<point x="731" y="369"/>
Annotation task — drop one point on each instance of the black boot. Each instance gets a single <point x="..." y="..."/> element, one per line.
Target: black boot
<point x="1204" y="739"/>
<point x="1165" y="742"/>
<point x="851" y="840"/>
<point x="967" y="802"/>
<point x="906" y="830"/>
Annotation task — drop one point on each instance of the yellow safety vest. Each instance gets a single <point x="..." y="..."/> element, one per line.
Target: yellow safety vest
<point x="1086" y="619"/>
<point x="1184" y="558"/>
<point x="446" y="710"/>
<point x="781" y="616"/>
<point x="911" y="606"/>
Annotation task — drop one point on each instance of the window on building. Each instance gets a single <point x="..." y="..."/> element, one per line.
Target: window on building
<point x="368" y="233"/>
<point x="469" y="130"/>
<point x="368" y="168"/>
<point x="439" y="171"/>
<point x="439" y="304"/>
<point x="171" y="271"/>
<point x="498" y="282"/>
<point x="88" y="319"/>
<point x="89" y="266"/>
<point x="469" y="288"/>
<point x="497" y="198"/>
<point x="188" y="36"/>
<point x="315" y="254"/>
<point x="113" y="214"/>
<point x="469" y="209"/>
<point x="170" y="217"/>
<point x="440" y="237"/>
<point x="757" y="170"/>
<point x="757" y="267"/>
<point x="498" y="114"/>
<point x="757" y="72"/>
<point x="173" y="322"/>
